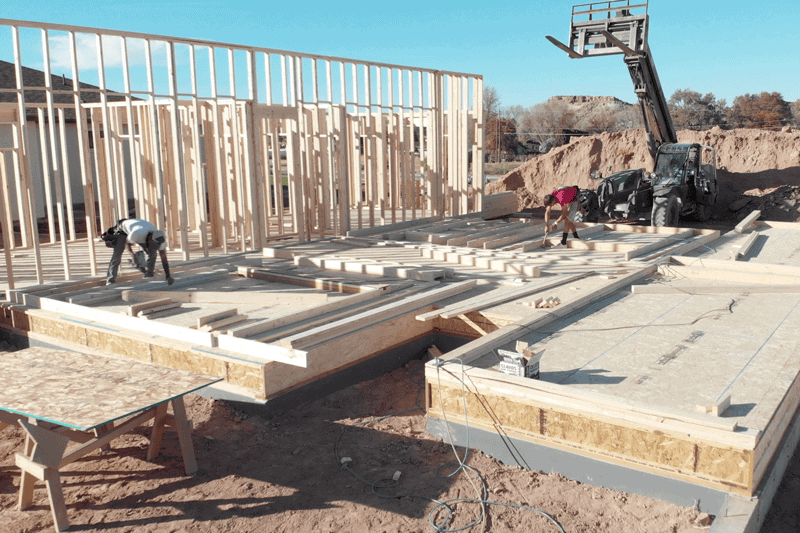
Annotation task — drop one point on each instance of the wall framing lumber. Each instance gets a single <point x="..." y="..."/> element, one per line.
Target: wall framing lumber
<point x="747" y="221"/>
<point x="318" y="335"/>
<point x="481" y="302"/>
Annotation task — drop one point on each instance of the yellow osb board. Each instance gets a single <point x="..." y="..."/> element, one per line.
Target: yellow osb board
<point x="248" y="376"/>
<point x="84" y="390"/>
<point x="640" y="445"/>
<point x="113" y="343"/>
<point x="184" y="360"/>
<point x="490" y="409"/>
<point x="726" y="467"/>
<point x="58" y="329"/>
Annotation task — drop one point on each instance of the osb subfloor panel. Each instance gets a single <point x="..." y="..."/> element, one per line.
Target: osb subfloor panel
<point x="678" y="351"/>
<point x="84" y="391"/>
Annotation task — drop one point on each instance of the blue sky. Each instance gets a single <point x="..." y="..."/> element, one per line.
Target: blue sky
<point x="728" y="48"/>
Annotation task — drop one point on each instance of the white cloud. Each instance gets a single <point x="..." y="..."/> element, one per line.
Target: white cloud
<point x="86" y="49"/>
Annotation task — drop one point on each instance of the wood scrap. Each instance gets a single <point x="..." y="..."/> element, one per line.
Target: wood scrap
<point x="133" y="310"/>
<point x="230" y="297"/>
<point x="213" y="317"/>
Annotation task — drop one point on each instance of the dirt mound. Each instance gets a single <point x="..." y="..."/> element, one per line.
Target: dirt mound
<point x="746" y="158"/>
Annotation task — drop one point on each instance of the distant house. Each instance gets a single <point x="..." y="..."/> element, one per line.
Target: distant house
<point x="35" y="99"/>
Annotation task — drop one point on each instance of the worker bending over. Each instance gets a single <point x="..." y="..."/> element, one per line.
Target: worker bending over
<point x="567" y="199"/>
<point x="130" y="231"/>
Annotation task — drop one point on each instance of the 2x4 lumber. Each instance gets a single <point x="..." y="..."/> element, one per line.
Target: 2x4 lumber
<point x="739" y="251"/>
<point x="297" y="317"/>
<point x="491" y="261"/>
<point x="146" y="313"/>
<point x="660" y="288"/>
<point x="701" y="238"/>
<point x="506" y="334"/>
<point x="222" y="323"/>
<point x="747" y="221"/>
<point x="316" y="283"/>
<point x="482" y="302"/>
<point x="372" y="269"/>
<point x="479" y="242"/>
<point x="489" y="232"/>
<point x="93" y="298"/>
<point x="522" y="234"/>
<point x="133" y="310"/>
<point x="228" y="297"/>
<point x="669" y="239"/>
<point x="213" y="317"/>
<point x="347" y="325"/>
<point x="583" y="232"/>
<point x="627" y="228"/>
<point x="391" y="228"/>
<point x="716" y="409"/>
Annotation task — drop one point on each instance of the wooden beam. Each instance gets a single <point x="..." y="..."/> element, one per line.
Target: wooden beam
<point x="222" y="323"/>
<point x="747" y="221"/>
<point x="241" y="297"/>
<point x="340" y="327"/>
<point x="667" y="240"/>
<point x="157" y="309"/>
<point x="506" y="334"/>
<point x="213" y="317"/>
<point x="372" y="269"/>
<point x="133" y="310"/>
<point x="324" y="284"/>
<point x="701" y="238"/>
<point x="293" y="318"/>
<point x="481" y="302"/>
<point x="739" y="251"/>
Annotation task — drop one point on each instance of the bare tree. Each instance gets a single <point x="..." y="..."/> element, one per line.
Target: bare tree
<point x="795" y="107"/>
<point x="546" y="121"/>
<point x="491" y="103"/>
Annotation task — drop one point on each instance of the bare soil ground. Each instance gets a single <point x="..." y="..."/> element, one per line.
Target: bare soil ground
<point x="281" y="473"/>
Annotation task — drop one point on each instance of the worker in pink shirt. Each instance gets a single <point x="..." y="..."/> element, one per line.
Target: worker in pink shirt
<point x="567" y="199"/>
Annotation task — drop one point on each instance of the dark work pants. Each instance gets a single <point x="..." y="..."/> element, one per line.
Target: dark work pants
<point x="116" y="257"/>
<point x="152" y="253"/>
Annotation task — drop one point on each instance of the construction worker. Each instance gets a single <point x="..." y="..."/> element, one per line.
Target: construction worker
<point x="130" y="231"/>
<point x="567" y="199"/>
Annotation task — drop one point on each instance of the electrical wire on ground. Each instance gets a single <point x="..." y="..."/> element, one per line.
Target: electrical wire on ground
<point x="478" y="483"/>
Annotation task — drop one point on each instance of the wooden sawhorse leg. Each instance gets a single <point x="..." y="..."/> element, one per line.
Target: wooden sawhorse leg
<point x="44" y="450"/>
<point x="181" y="424"/>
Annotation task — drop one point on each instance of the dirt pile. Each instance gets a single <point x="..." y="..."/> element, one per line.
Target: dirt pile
<point x="747" y="159"/>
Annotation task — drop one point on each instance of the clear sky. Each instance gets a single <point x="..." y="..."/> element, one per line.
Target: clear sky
<point x="728" y="48"/>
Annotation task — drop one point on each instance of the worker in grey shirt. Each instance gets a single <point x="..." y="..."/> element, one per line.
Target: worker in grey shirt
<point x="151" y="240"/>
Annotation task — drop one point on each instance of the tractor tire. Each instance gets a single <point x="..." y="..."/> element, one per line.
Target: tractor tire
<point x="702" y="212"/>
<point x="666" y="211"/>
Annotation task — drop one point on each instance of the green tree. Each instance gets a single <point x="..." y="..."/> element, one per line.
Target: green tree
<point x="765" y="110"/>
<point x="691" y="110"/>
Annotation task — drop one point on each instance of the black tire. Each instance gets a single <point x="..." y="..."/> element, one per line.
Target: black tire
<point x="666" y="211"/>
<point x="702" y="212"/>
